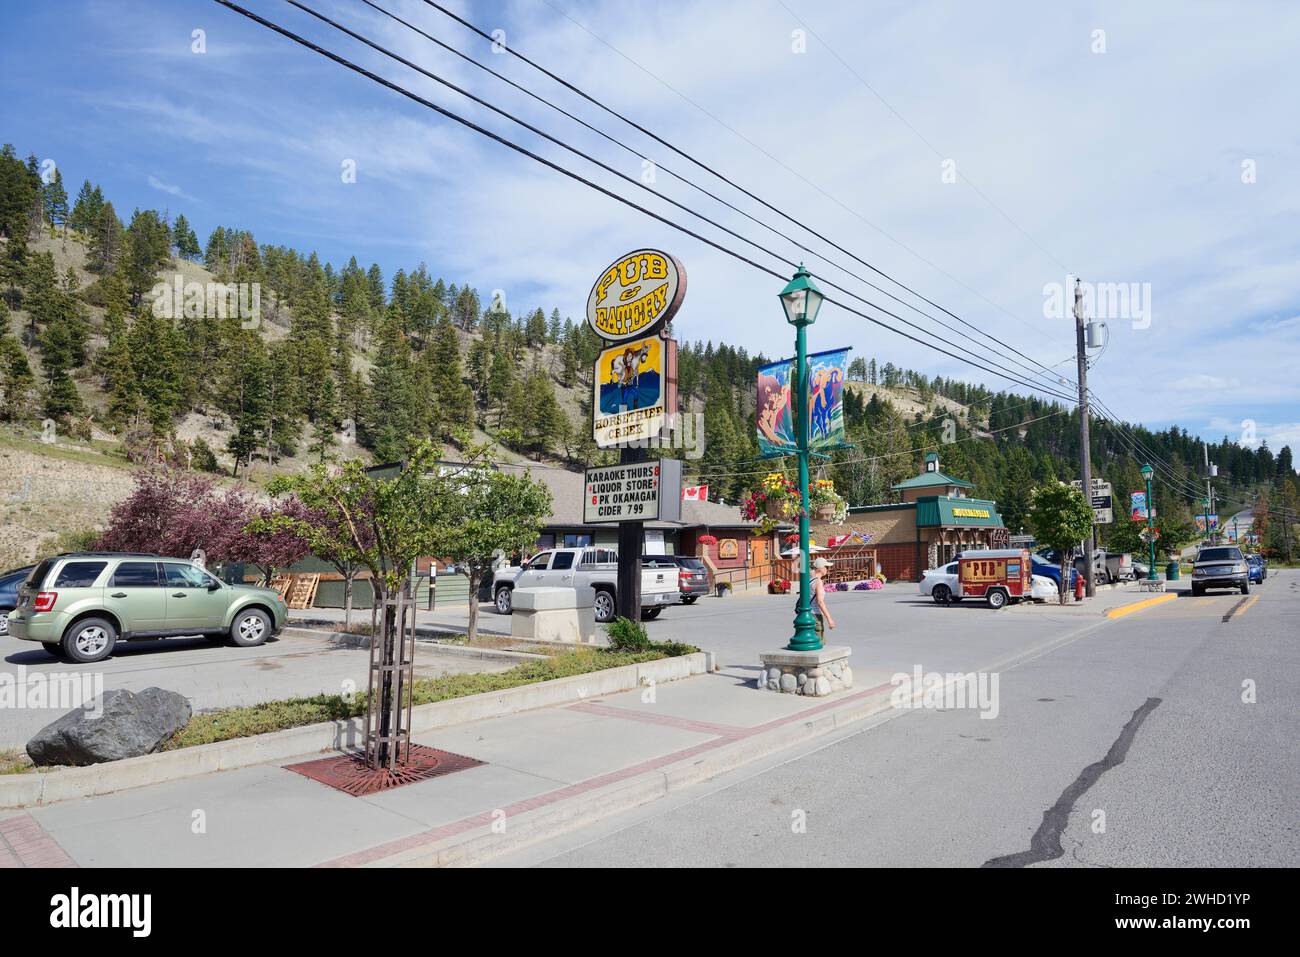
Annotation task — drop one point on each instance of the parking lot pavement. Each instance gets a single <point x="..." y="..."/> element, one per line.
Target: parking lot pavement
<point x="209" y="675"/>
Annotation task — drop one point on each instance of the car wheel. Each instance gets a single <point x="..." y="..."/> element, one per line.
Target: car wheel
<point x="689" y="599"/>
<point x="604" y="606"/>
<point x="1245" y="589"/>
<point x="504" y="601"/>
<point x="250" y="628"/>
<point x="941" y="594"/>
<point x="4" y="624"/>
<point x="997" y="599"/>
<point x="1196" y="590"/>
<point x="650" y="614"/>
<point x="91" y="639"/>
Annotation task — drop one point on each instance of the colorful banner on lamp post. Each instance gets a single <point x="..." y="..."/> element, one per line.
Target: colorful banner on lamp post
<point x="1210" y="522"/>
<point x="1137" y="509"/>
<point x="774" y="412"/>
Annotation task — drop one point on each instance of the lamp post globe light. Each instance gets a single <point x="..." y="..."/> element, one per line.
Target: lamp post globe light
<point x="801" y="300"/>
<point x="1147" y="472"/>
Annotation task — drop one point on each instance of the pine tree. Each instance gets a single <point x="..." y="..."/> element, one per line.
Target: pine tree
<point x="56" y="202"/>
<point x="16" y="379"/>
<point x="106" y="241"/>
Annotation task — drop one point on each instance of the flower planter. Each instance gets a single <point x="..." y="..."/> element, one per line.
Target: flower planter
<point x="826" y="513"/>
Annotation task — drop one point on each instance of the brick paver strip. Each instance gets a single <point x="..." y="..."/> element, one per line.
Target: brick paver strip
<point x="725" y="734"/>
<point x="24" y="843"/>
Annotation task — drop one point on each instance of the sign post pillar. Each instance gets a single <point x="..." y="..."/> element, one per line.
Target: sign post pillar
<point x="631" y="538"/>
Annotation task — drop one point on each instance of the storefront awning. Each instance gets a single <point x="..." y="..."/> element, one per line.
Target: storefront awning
<point x="935" y="512"/>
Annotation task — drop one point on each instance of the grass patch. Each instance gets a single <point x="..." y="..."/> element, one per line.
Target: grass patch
<point x="13" y="761"/>
<point x="241" y="722"/>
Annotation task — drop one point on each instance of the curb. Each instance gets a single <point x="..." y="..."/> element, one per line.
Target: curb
<point x="482" y="843"/>
<point x="1123" y="610"/>
<point x="47" y="787"/>
<point x="349" y="640"/>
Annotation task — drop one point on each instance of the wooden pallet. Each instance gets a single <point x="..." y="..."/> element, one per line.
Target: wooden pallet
<point x="303" y="591"/>
<point x="281" y="584"/>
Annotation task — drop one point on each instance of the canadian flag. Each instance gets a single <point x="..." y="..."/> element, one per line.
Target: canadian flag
<point x="695" y="493"/>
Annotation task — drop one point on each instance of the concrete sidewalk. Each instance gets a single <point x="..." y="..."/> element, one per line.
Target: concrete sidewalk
<point x="540" y="768"/>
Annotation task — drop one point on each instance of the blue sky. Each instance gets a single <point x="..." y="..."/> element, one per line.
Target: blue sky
<point x="1162" y="151"/>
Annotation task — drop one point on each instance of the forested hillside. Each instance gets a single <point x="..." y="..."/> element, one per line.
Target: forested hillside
<point x="342" y="361"/>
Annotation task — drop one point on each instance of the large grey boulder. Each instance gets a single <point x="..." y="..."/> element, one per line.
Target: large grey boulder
<point x="119" y="724"/>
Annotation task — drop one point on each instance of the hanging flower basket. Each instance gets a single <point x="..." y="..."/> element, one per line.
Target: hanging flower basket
<point x="828" y="504"/>
<point x="775" y="502"/>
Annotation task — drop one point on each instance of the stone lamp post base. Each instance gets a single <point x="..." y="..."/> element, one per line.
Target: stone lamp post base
<point x="815" y="673"/>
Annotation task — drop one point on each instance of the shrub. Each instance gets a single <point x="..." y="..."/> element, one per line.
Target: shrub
<point x="627" y="635"/>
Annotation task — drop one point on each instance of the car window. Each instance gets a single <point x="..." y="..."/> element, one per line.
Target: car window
<point x="136" y="575"/>
<point x="1219" y="555"/>
<point x="540" y="562"/>
<point x="38" y="574"/>
<point x="78" y="574"/>
<point x="692" y="563"/>
<point x="950" y="569"/>
<point x="562" y="560"/>
<point x="186" y="576"/>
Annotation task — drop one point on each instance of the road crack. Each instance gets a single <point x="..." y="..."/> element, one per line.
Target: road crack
<point x="1045" y="845"/>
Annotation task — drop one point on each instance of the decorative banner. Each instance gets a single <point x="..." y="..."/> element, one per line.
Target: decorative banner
<point x="643" y="492"/>
<point x="635" y="386"/>
<point x="775" y="417"/>
<point x="635" y="295"/>
<point x="1213" y="523"/>
<point x="1137" y="510"/>
<point x="773" y="414"/>
<point x="826" y="377"/>
<point x="695" y="493"/>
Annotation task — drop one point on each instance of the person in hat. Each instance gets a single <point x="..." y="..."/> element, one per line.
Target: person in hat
<point x="820" y="612"/>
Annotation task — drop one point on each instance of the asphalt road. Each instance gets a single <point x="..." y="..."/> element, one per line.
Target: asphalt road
<point x="1166" y="737"/>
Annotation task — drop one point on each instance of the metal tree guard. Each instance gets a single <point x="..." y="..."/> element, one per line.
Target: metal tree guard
<point x="392" y="675"/>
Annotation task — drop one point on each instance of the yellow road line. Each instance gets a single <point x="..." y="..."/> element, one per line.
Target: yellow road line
<point x="1123" y="610"/>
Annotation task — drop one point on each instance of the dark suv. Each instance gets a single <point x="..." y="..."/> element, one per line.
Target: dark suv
<point x="1222" y="566"/>
<point x="692" y="575"/>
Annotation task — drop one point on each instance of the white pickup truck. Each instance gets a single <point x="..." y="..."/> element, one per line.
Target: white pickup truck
<point x="588" y="568"/>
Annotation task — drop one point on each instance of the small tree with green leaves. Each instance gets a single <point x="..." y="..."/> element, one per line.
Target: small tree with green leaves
<point x="1060" y="518"/>
<point x="495" y="515"/>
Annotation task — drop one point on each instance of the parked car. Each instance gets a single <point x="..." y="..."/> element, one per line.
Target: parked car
<point x="941" y="583"/>
<point x="80" y="604"/>
<point x="1044" y="589"/>
<point x="693" y="578"/>
<point x="1220" y="567"/>
<point x="1105" y="568"/>
<point x="1257" y="573"/>
<point x="595" y="568"/>
<point x="9" y="583"/>
<point x="1041" y="567"/>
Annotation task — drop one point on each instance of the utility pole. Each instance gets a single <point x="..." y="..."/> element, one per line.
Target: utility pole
<point x="1209" y="493"/>
<point x="1085" y="451"/>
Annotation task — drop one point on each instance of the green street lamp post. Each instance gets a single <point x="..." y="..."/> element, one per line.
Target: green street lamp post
<point x="801" y="300"/>
<point x="1147" y="472"/>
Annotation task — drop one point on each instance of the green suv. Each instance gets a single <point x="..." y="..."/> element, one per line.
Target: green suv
<point x="80" y="604"/>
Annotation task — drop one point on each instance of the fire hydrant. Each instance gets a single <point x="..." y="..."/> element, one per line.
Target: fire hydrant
<point x="1078" y="587"/>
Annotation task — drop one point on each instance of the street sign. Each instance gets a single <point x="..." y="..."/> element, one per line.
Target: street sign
<point x="1102" y="501"/>
<point x="635" y="295"/>
<point x="639" y="492"/>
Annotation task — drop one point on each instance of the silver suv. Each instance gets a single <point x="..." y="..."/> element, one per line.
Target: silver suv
<point x="1220" y="566"/>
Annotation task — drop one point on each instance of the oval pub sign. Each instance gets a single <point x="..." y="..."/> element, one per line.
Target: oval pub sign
<point x="635" y="295"/>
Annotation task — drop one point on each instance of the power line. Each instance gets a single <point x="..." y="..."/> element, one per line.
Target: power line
<point x="609" y="169"/>
<point x="1053" y="378"/>
<point x="967" y="180"/>
<point x="709" y="169"/>
<point x="615" y="196"/>
<point x="886" y="455"/>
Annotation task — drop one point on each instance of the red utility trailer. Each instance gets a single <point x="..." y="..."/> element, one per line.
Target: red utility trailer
<point x="998" y="575"/>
